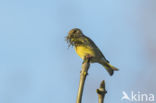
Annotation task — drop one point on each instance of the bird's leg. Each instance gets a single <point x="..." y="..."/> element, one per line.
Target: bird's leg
<point x="87" y="57"/>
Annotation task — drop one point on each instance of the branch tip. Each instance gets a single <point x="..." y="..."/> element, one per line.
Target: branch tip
<point x="101" y="91"/>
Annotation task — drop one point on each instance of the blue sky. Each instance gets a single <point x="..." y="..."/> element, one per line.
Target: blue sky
<point x="36" y="65"/>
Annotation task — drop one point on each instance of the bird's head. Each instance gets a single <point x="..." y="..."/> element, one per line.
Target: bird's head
<point x="74" y="33"/>
<point x="73" y="36"/>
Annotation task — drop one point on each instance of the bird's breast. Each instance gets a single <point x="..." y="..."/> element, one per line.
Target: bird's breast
<point x="82" y="51"/>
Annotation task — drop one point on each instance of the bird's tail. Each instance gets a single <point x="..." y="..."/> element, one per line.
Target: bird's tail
<point x="110" y="68"/>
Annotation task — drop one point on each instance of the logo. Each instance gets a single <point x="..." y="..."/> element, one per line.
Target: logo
<point x="137" y="97"/>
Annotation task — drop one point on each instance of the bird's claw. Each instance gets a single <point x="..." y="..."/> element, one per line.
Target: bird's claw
<point x="87" y="57"/>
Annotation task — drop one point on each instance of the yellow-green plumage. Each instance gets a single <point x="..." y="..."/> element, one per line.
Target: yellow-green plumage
<point x="84" y="46"/>
<point x="82" y="51"/>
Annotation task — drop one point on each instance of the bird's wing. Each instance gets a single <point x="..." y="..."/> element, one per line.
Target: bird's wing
<point x="90" y="43"/>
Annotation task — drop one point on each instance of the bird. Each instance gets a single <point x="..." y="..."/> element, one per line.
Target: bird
<point x="84" y="47"/>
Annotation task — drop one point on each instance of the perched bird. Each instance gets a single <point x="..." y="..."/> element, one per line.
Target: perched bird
<point x="84" y="46"/>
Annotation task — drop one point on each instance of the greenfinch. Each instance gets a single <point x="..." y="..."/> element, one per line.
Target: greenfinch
<point x="84" y="46"/>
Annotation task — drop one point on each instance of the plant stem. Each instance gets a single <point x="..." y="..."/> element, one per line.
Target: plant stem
<point x="83" y="74"/>
<point x="101" y="92"/>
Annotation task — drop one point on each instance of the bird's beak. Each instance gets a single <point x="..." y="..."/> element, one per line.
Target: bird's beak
<point x="68" y="39"/>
